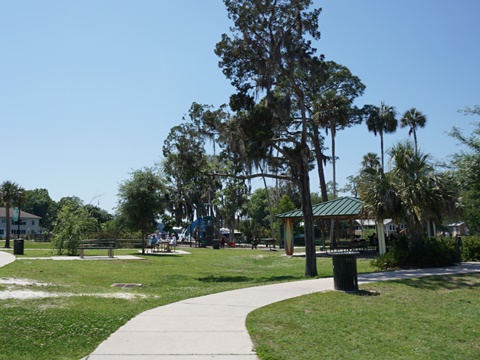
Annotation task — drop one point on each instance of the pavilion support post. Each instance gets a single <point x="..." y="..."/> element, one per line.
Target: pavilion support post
<point x="381" y="237"/>
<point x="351" y="230"/>
<point x="323" y="236"/>
<point x="288" y="236"/>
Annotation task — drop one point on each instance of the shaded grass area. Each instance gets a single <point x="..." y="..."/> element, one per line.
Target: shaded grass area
<point x="83" y="309"/>
<point x="424" y="318"/>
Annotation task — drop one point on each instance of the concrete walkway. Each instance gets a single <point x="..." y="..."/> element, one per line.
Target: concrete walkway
<point x="213" y="326"/>
<point x="6" y="258"/>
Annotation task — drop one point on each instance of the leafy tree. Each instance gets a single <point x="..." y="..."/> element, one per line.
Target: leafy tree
<point x="40" y="203"/>
<point x="270" y="51"/>
<point x="186" y="168"/>
<point x="257" y="208"/>
<point x="413" y="119"/>
<point x="8" y="194"/>
<point x="351" y="186"/>
<point x="229" y="200"/>
<point x="72" y="201"/>
<point x="381" y="120"/>
<point x="232" y="192"/>
<point x="72" y="225"/>
<point x="465" y="168"/>
<point x="102" y="216"/>
<point x="141" y="201"/>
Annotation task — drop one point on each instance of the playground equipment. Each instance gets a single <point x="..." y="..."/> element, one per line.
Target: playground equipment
<point x="202" y="231"/>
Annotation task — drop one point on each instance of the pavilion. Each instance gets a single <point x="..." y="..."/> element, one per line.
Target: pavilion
<point x="345" y="208"/>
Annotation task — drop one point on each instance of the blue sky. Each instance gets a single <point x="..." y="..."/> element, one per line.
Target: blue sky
<point x="89" y="89"/>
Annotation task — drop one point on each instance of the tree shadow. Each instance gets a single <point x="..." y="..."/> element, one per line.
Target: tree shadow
<point x="446" y="282"/>
<point x="364" y="293"/>
<point x="221" y="279"/>
<point x="237" y="279"/>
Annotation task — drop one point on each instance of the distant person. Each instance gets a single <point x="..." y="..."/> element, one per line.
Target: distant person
<point x="173" y="240"/>
<point x="222" y="242"/>
<point x="254" y="243"/>
<point x="153" y="242"/>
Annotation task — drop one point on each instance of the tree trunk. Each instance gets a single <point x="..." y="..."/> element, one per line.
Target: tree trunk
<point x="7" y="216"/>
<point x="310" y="251"/>
<point x="320" y="160"/>
<point x="270" y="208"/>
<point x="143" y="239"/>
<point x="333" y="237"/>
<point x="381" y="150"/>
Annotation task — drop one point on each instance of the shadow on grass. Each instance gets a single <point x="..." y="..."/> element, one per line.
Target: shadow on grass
<point x="160" y="255"/>
<point x="364" y="293"/>
<point x="236" y="279"/>
<point x="448" y="282"/>
<point x="220" y="279"/>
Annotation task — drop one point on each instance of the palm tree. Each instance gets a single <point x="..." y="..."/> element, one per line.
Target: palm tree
<point x="414" y="119"/>
<point x="411" y="192"/>
<point x="8" y="194"/>
<point x="426" y="196"/>
<point x="333" y="112"/>
<point x="376" y="190"/>
<point x="370" y="160"/>
<point x="381" y="120"/>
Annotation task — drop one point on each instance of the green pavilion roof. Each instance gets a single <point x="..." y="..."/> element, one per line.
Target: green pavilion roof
<point x="341" y="208"/>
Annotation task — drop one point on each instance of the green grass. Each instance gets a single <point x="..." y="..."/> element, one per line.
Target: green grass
<point x="424" y="318"/>
<point x="70" y="327"/>
<point x="401" y="319"/>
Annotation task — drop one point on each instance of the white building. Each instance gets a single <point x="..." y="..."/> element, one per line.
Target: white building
<point x="29" y="223"/>
<point x="389" y="226"/>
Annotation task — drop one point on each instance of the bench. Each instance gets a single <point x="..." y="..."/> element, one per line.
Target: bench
<point x="108" y="245"/>
<point x="269" y="242"/>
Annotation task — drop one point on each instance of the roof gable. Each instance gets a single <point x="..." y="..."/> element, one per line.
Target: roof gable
<point x="341" y="208"/>
<point x="23" y="214"/>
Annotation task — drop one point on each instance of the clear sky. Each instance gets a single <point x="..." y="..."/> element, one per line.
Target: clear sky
<point x="89" y="89"/>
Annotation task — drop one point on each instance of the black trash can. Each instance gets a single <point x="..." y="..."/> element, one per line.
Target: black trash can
<point x="345" y="271"/>
<point x="216" y="244"/>
<point x="18" y="247"/>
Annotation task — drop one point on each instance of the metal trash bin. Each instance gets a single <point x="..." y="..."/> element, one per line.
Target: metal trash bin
<point x="345" y="271"/>
<point x="216" y="244"/>
<point x="18" y="247"/>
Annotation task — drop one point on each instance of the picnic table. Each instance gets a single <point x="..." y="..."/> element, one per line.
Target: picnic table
<point x="268" y="242"/>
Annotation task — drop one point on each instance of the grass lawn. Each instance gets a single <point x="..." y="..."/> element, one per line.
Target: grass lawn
<point x="424" y="318"/>
<point x="82" y="308"/>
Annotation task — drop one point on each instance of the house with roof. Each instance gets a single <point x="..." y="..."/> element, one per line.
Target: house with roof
<point x="390" y="228"/>
<point x="458" y="229"/>
<point x="27" y="224"/>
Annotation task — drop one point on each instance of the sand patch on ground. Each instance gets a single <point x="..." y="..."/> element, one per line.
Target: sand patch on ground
<point x="12" y="291"/>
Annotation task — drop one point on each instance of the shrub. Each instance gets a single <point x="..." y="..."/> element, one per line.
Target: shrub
<point x="71" y="227"/>
<point x="428" y="252"/>
<point x="470" y="248"/>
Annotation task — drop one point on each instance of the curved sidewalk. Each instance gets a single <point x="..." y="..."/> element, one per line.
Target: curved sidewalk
<point x="6" y="258"/>
<point x="213" y="326"/>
